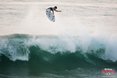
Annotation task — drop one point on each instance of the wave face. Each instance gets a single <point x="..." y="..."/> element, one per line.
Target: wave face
<point x="52" y="53"/>
<point x="53" y="48"/>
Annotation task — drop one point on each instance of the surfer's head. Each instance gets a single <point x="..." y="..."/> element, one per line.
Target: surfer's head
<point x="55" y="7"/>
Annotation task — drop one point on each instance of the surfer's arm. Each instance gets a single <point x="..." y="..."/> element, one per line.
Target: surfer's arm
<point x="58" y="10"/>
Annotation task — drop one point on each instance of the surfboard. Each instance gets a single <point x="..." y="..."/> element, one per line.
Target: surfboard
<point x="50" y="15"/>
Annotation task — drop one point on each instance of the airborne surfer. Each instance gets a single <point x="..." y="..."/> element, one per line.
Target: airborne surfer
<point x="54" y="9"/>
<point x="50" y="13"/>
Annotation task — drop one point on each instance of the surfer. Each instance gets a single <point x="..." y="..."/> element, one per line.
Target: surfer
<point x="50" y="13"/>
<point x="54" y="9"/>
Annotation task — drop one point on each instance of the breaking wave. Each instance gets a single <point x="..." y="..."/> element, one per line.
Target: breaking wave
<point x="60" y="52"/>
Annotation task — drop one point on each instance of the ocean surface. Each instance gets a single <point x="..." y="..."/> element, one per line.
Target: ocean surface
<point x="81" y="43"/>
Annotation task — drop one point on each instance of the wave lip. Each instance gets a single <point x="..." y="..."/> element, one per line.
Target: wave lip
<point x="53" y="50"/>
<point x="14" y="48"/>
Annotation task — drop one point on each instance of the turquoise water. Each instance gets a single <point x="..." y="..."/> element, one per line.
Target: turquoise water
<point x="27" y="56"/>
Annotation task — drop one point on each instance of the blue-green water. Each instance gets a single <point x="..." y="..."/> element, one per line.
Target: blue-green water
<point x="24" y="56"/>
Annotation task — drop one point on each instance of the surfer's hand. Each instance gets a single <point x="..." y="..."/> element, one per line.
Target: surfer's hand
<point x="60" y="11"/>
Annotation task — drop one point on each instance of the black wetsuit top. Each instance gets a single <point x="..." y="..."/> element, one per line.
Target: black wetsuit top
<point x="51" y="9"/>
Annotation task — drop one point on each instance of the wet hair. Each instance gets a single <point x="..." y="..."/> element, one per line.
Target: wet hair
<point x="55" y="7"/>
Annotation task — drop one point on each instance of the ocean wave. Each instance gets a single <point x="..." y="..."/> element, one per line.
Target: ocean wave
<point x="53" y="50"/>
